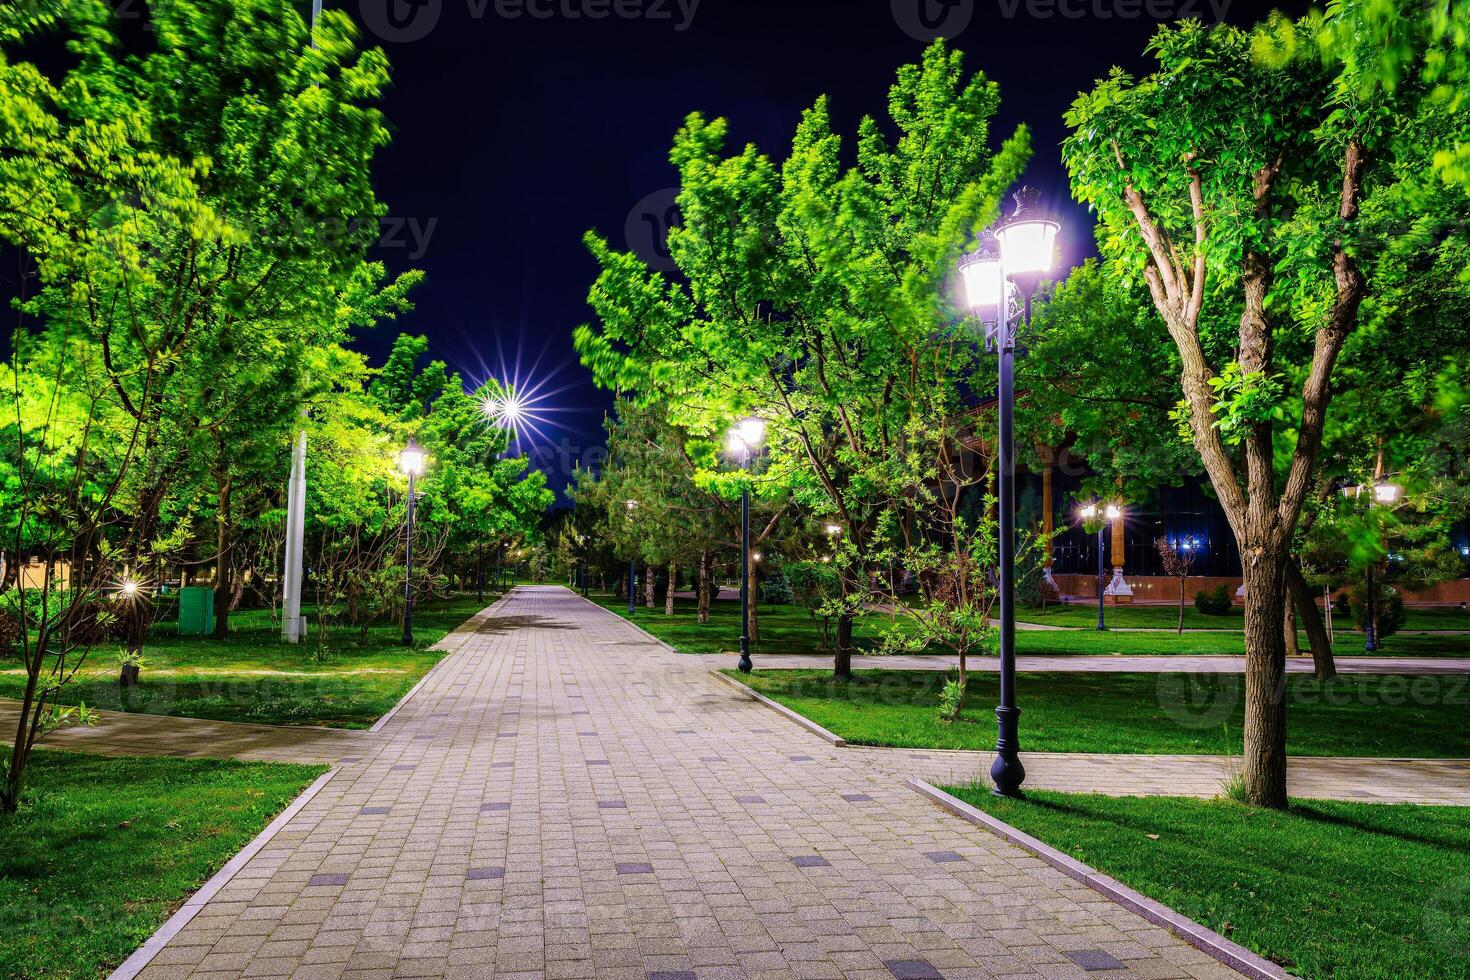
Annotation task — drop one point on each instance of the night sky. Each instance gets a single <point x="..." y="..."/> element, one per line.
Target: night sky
<point x="514" y="135"/>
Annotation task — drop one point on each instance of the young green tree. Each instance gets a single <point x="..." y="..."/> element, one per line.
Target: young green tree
<point x="808" y="293"/>
<point x="1245" y="183"/>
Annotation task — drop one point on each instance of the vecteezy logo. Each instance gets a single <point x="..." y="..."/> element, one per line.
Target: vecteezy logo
<point x="1201" y="700"/>
<point x="924" y="20"/>
<point x="401" y="21"/>
<point x="647" y="228"/>
<point x="1447" y="917"/>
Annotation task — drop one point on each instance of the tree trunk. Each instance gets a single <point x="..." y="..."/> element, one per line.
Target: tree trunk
<point x="703" y="587"/>
<point x="669" y="596"/>
<point x="1288" y="630"/>
<point x="842" y="663"/>
<point x="1264" y="772"/>
<point x="1182" y="586"/>
<point x="648" y="583"/>
<point x="1310" y="618"/>
<point x="222" y="584"/>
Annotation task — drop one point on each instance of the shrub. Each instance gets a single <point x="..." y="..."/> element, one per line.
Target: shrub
<point x="951" y="699"/>
<point x="9" y="633"/>
<point x="1390" y="609"/>
<point x="776" y="591"/>
<point x="1216" y="602"/>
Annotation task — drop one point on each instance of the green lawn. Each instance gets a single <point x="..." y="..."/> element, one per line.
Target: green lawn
<point x="784" y="629"/>
<point x="1326" y="889"/>
<point x="254" y="677"/>
<point x="1355" y="715"/>
<point x="103" y="850"/>
<point x="789" y="630"/>
<point x="1084" y="615"/>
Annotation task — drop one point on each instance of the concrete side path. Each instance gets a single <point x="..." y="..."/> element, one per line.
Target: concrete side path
<point x="119" y="733"/>
<point x="1126" y="664"/>
<point x="1443" y="782"/>
<point x="565" y="798"/>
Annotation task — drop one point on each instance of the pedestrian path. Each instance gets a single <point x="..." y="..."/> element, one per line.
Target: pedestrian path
<point x="1443" y="782"/>
<point x="119" y="733"/>
<point x="563" y="797"/>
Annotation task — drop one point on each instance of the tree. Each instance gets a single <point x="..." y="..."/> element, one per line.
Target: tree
<point x="1244" y="183"/>
<point x="1176" y="563"/>
<point x="812" y="295"/>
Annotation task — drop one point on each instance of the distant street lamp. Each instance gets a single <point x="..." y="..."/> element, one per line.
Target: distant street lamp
<point x="1105" y="516"/>
<point x="1385" y="494"/>
<point x="743" y="440"/>
<point x="632" y="573"/>
<point x="410" y="461"/>
<point x="1017" y="255"/>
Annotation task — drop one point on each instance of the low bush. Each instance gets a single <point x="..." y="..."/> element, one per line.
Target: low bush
<point x="1216" y="602"/>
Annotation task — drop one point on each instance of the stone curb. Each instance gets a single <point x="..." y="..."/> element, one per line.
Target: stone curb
<point x="469" y="626"/>
<point x="1231" y="954"/>
<point x="143" y="955"/>
<point x="782" y="710"/>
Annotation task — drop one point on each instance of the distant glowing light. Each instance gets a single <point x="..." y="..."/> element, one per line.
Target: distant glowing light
<point x="1088" y="512"/>
<point x="129" y="588"/>
<point x="1114" y="512"/>
<point x="755" y="555"/>
<point x="834" y="529"/>
<point x="509" y="409"/>
<point x="1387" y="493"/>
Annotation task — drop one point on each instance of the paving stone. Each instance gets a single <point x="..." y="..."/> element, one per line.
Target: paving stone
<point x="1094" y="959"/>
<point x="484" y="874"/>
<point x="322" y="880"/>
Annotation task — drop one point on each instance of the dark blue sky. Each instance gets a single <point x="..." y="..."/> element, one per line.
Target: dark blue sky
<point x="516" y="133"/>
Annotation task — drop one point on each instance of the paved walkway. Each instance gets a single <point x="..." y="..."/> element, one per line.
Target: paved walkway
<point x="1437" y="781"/>
<point x="565" y="798"/>
<point x="118" y="733"/>
<point x="1129" y="664"/>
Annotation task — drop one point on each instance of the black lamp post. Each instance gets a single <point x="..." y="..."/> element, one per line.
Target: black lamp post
<point x="743" y="439"/>
<point x="411" y="461"/>
<point x="1019" y="254"/>
<point x="1385" y="494"/>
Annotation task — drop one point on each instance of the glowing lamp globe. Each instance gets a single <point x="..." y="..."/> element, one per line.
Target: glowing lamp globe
<point x="412" y="459"/>
<point x="1114" y="512"/>
<point x="746" y="436"/>
<point x="1028" y="241"/>
<point x="1088" y="512"/>
<point x="983" y="278"/>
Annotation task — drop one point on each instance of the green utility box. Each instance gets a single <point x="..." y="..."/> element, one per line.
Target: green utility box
<point x="196" y="611"/>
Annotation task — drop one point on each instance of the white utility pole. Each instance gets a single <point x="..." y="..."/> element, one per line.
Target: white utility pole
<point x="293" y="627"/>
